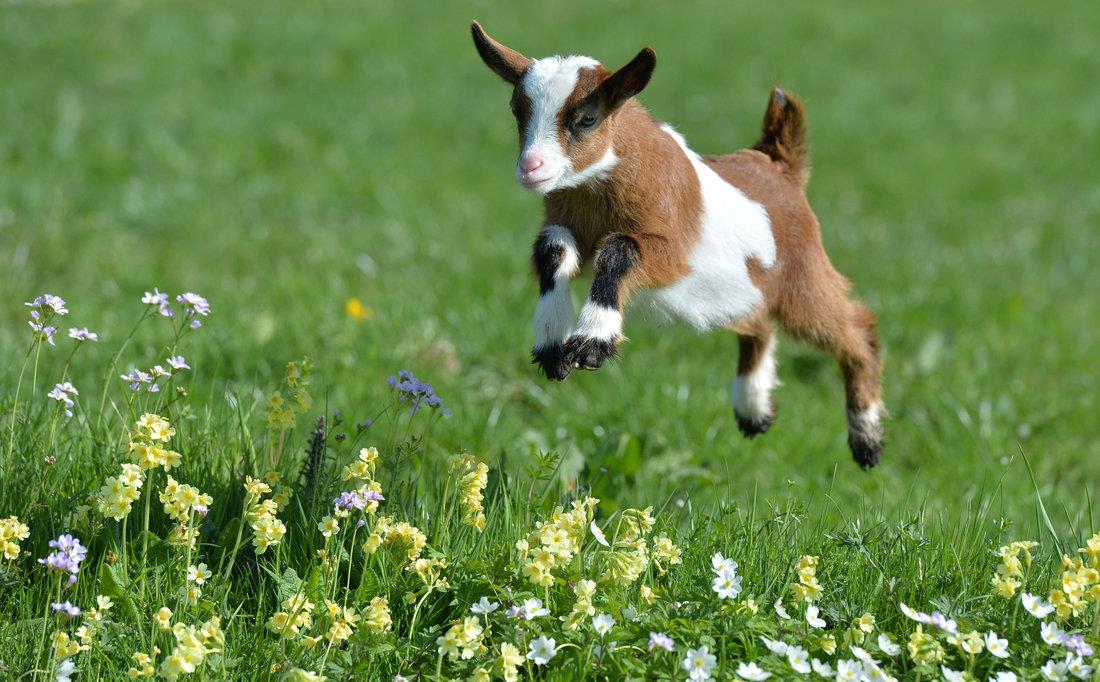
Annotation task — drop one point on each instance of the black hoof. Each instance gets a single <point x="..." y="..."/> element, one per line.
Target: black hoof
<point x="865" y="451"/>
<point x="553" y="361"/>
<point x="588" y="353"/>
<point x="750" y="428"/>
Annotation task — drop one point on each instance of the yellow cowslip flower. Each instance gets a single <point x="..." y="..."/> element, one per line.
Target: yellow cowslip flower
<point x="340" y="631"/>
<point x="64" y="646"/>
<point x="665" y="551"/>
<point x="143" y="666"/>
<point x="647" y="595"/>
<point x="828" y="644"/>
<point x="481" y="675"/>
<point x="461" y="640"/>
<point x="405" y="540"/>
<point x="163" y="618"/>
<point x="356" y="310"/>
<point x="255" y="487"/>
<point x="747" y="606"/>
<point x="376" y="617"/>
<point x="971" y="643"/>
<point x="299" y="675"/>
<point x="12" y="532"/>
<point x="1004" y="587"/>
<point x="428" y="570"/>
<point x="866" y="623"/>
<point x="508" y="662"/>
<point x="328" y="526"/>
<point x="473" y="477"/>
<point x="807" y="589"/>
<point x="923" y="648"/>
<point x="538" y="573"/>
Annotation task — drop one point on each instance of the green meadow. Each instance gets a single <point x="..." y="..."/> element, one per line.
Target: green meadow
<point x="336" y="178"/>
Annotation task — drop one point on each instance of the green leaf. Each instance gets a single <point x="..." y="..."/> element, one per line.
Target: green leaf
<point x="112" y="584"/>
<point x="289" y="585"/>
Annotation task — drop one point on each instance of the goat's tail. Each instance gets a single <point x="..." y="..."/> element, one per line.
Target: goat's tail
<point x="784" y="138"/>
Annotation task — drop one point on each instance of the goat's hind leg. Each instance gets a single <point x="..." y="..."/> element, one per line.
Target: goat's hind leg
<point x="756" y="378"/>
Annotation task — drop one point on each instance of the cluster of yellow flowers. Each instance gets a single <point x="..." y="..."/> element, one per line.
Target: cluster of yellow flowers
<point x="665" y="551"/>
<point x="84" y="637"/>
<point x="1080" y="582"/>
<point x="180" y="501"/>
<point x="12" y="532"/>
<point x="281" y="411"/>
<point x="193" y="645"/>
<point x="297" y="618"/>
<point x="118" y="494"/>
<point x="1010" y="573"/>
<point x="463" y="640"/>
<point x="143" y="664"/>
<point x="923" y="647"/>
<point x="473" y="476"/>
<point x="403" y="539"/>
<point x="629" y="555"/>
<point x="65" y="646"/>
<point x="508" y="663"/>
<point x="584" y="589"/>
<point x="555" y="542"/>
<point x="860" y="628"/>
<point x="430" y="572"/>
<point x="148" y="440"/>
<point x="267" y="529"/>
<point x="807" y="589"/>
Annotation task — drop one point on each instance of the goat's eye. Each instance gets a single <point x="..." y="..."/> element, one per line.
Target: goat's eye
<point x="586" y="121"/>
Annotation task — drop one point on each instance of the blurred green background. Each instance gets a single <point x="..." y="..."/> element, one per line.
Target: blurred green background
<point x="282" y="157"/>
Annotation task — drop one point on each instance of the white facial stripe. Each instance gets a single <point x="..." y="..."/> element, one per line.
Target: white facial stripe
<point x="600" y="322"/>
<point x="752" y="392"/>
<point x="547" y="84"/>
<point x="554" y="315"/>
<point x="600" y="170"/>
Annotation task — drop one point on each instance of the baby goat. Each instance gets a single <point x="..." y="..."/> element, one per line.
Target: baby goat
<point x="714" y="241"/>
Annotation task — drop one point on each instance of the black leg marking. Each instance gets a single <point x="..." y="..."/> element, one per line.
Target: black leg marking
<point x="615" y="259"/>
<point x="547" y="257"/>
<point x="588" y="353"/>
<point x="553" y="361"/>
<point x="750" y="427"/>
<point x="866" y="451"/>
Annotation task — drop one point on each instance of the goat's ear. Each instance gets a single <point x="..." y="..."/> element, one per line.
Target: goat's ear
<point x="506" y="62"/>
<point x="630" y="79"/>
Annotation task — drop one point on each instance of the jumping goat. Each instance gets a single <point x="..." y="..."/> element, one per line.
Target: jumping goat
<point x="724" y="241"/>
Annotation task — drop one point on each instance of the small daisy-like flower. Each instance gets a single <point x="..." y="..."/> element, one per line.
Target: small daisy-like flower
<point x="721" y="564"/>
<point x="823" y="669"/>
<point x="699" y="663"/>
<point x="813" y="618"/>
<point x="602" y="624"/>
<point x="1051" y="633"/>
<point x="780" y="610"/>
<point x="541" y="650"/>
<point x="995" y="645"/>
<point x="598" y="534"/>
<point x="163" y="618"/>
<point x="82" y="334"/>
<point x="65" y="669"/>
<point x="727" y="584"/>
<point x="532" y="609"/>
<point x="1055" y="671"/>
<point x="775" y="646"/>
<point x="752" y="672"/>
<point x="1036" y="606"/>
<point x="862" y="654"/>
<point x="848" y="671"/>
<point x="484" y="607"/>
<point x="198" y="574"/>
<point x="328" y="526"/>
<point x="659" y="640"/>
<point x="951" y="675"/>
<point x="799" y="659"/>
<point x="1004" y="676"/>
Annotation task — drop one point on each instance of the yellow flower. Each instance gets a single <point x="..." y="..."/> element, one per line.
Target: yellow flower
<point x="198" y="574"/>
<point x="866" y="623"/>
<point x="356" y="310"/>
<point x="376" y="617"/>
<point x="328" y="526"/>
<point x="828" y="644"/>
<point x="471" y="484"/>
<point x="163" y="618"/>
<point x="923" y="648"/>
<point x="508" y="662"/>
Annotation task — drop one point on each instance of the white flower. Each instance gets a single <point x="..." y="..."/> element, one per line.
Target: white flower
<point x="951" y="675"/>
<point x="997" y="646"/>
<point x="65" y="669"/>
<point x="1004" y="676"/>
<point x="484" y="607"/>
<point x="813" y="618"/>
<point x="598" y="534"/>
<point x="1078" y="668"/>
<point x="822" y="668"/>
<point x="602" y="624"/>
<point x="698" y="663"/>
<point x="1036" y="606"/>
<point x="914" y="614"/>
<point x="720" y="564"/>
<point x="799" y="659"/>
<point x="848" y="671"/>
<point x="541" y="650"/>
<point x="727" y="585"/>
<point x="775" y="646"/>
<point x="877" y="674"/>
<point x="1055" y="672"/>
<point x="400" y="678"/>
<point x="887" y="645"/>
<point x="1052" y="634"/>
<point x="862" y="654"/>
<point x="752" y="672"/>
<point x="780" y="611"/>
<point x="532" y="609"/>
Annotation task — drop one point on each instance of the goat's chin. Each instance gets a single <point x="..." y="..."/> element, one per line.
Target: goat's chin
<point x="541" y="187"/>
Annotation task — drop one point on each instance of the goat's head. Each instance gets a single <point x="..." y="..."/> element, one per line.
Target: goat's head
<point x="565" y="108"/>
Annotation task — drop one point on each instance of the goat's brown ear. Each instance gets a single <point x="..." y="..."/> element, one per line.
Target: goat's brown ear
<point x="506" y="62"/>
<point x="630" y="79"/>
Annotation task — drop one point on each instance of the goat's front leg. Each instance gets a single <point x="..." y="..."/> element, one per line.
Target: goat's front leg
<point x="556" y="260"/>
<point x="600" y="327"/>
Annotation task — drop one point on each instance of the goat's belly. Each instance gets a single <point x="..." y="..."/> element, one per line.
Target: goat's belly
<point x="717" y="292"/>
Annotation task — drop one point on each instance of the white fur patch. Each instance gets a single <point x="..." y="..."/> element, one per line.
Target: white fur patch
<point x="752" y="392"/>
<point x="599" y="322"/>
<point x="548" y="83"/>
<point x="868" y="423"/>
<point x="733" y="229"/>
<point x="554" y="315"/>
<point x="600" y="170"/>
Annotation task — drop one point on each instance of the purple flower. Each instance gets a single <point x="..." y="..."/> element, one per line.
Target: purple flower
<point x="67" y="555"/>
<point x="155" y="297"/>
<point x="194" y="305"/>
<point x="136" y="378"/>
<point x="360" y="523"/>
<point x="357" y="499"/>
<point x="1078" y="645"/>
<point x="416" y="393"/>
<point x="62" y="393"/>
<point x="178" y="363"/>
<point x="43" y="331"/>
<point x="48" y="303"/>
<point x="200" y="509"/>
<point x="364" y="425"/>
<point x="659" y="640"/>
<point x="66" y="608"/>
<point x="82" y="334"/>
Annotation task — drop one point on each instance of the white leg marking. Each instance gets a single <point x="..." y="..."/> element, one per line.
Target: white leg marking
<point x="752" y="392"/>
<point x="866" y="424"/>
<point x="600" y="322"/>
<point x="554" y="315"/>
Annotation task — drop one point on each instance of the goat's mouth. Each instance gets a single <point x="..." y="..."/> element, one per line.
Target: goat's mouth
<point x="538" y="184"/>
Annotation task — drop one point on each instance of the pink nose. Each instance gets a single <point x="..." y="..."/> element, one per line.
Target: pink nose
<point x="531" y="162"/>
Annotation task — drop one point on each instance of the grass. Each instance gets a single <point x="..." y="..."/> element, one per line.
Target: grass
<point x="283" y="161"/>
